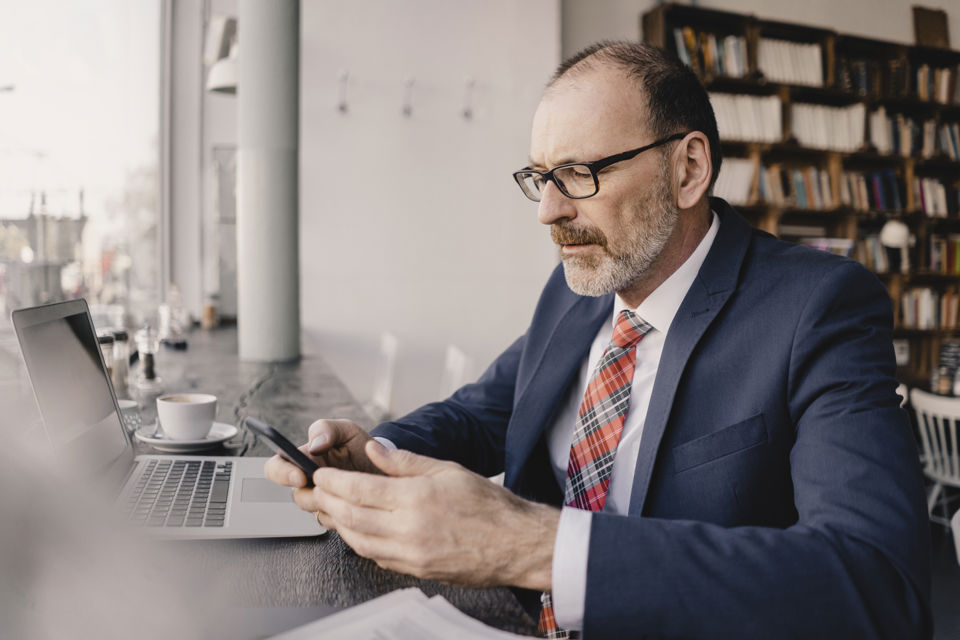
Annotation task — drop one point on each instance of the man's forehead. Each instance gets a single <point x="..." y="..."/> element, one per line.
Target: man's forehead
<point x="586" y="116"/>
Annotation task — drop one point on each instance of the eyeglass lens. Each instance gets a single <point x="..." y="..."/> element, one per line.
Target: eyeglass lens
<point x="575" y="181"/>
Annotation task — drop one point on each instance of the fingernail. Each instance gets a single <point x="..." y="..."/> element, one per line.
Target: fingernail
<point x="294" y="477"/>
<point x="319" y="442"/>
<point x="382" y="450"/>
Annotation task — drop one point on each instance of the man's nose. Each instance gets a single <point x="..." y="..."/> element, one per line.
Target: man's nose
<point x="554" y="206"/>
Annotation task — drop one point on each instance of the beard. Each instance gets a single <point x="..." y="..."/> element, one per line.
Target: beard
<point x="628" y="253"/>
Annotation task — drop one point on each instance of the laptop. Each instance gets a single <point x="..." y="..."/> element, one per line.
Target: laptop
<point x="173" y="496"/>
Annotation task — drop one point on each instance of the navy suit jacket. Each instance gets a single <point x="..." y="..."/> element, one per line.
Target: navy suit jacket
<point x="777" y="491"/>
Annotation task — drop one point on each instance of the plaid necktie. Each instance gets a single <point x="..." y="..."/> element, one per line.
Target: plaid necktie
<point x="599" y="425"/>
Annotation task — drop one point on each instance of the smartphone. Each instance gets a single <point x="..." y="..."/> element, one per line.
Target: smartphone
<point x="286" y="449"/>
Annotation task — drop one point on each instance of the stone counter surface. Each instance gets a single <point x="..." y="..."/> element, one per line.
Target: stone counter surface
<point x="289" y="396"/>
<point x="298" y="572"/>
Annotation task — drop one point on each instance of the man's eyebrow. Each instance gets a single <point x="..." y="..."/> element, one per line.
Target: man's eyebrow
<point x="534" y="164"/>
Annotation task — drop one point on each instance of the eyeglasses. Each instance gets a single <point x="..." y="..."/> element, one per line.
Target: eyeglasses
<point x="577" y="180"/>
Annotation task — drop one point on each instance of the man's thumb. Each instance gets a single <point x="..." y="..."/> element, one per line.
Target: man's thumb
<point x="399" y="462"/>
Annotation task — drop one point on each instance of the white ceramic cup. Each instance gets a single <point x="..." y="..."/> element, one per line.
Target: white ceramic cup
<point x="186" y="416"/>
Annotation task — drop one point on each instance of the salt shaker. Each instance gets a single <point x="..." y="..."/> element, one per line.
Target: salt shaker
<point x="149" y="384"/>
<point x="121" y="363"/>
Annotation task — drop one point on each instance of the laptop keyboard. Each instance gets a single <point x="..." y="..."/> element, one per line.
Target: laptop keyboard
<point x="181" y="493"/>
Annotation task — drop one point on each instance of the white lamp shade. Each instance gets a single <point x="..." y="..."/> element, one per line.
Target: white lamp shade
<point x="223" y="76"/>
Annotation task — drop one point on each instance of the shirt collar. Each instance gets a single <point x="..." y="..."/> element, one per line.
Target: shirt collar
<point x="660" y="307"/>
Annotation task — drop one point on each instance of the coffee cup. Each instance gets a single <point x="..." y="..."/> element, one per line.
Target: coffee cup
<point x="186" y="416"/>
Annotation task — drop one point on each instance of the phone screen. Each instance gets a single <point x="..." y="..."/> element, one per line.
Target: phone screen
<point x="280" y="444"/>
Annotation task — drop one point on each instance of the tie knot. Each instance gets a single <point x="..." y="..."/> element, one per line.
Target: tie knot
<point x="629" y="330"/>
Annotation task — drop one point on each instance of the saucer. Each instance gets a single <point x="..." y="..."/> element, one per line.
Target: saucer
<point x="220" y="433"/>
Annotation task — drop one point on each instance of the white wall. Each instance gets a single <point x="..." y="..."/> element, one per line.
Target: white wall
<point x="185" y="163"/>
<point x="411" y="225"/>
<point x="586" y="21"/>
<point x="414" y="225"/>
<point x="219" y="130"/>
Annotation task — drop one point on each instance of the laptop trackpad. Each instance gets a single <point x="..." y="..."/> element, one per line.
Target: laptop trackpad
<point x="262" y="490"/>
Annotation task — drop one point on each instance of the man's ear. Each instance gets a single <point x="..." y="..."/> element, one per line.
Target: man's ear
<point x="694" y="168"/>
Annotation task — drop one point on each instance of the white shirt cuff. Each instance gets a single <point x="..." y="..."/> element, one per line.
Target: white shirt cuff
<point x="569" y="581"/>
<point x="387" y="443"/>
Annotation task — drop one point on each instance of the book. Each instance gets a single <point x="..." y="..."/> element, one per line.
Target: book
<point x="831" y="128"/>
<point x="802" y="230"/>
<point x="398" y="615"/>
<point x="735" y="181"/>
<point x="747" y="118"/>
<point x="930" y="27"/>
<point x="791" y="62"/>
<point x="681" y="45"/>
<point x="840" y="246"/>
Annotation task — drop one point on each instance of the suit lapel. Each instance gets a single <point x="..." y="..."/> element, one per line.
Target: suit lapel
<point x="715" y="282"/>
<point x="559" y="362"/>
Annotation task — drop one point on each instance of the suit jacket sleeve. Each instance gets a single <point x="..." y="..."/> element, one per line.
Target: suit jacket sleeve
<point x="854" y="565"/>
<point x="470" y="426"/>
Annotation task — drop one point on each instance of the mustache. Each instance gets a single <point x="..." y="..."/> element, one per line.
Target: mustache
<point x="564" y="233"/>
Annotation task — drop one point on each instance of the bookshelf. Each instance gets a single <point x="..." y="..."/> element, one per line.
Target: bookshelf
<point x="829" y="137"/>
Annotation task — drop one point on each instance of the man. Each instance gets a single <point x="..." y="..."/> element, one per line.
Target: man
<point x="723" y="432"/>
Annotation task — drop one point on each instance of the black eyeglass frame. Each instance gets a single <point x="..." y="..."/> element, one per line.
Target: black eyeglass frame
<point x="594" y="167"/>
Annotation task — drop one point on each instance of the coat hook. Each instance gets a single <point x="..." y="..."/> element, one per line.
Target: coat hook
<point x="408" y="97"/>
<point x="342" y="105"/>
<point x="467" y="112"/>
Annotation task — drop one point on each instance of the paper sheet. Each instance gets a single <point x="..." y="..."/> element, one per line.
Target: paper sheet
<point x="405" y="614"/>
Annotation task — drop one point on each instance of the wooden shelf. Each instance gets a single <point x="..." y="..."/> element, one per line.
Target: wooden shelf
<point x="912" y="379"/>
<point x="751" y="85"/>
<point x="865" y="157"/>
<point x="940" y="163"/>
<point x="905" y="332"/>
<point x="855" y="70"/>
<point x="921" y="276"/>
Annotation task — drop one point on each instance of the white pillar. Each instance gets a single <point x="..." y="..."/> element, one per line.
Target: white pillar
<point x="268" y="269"/>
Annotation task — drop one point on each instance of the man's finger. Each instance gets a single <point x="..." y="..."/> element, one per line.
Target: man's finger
<point x="324" y="434"/>
<point x="345" y="515"/>
<point x="387" y="552"/>
<point x="282" y="472"/>
<point x="356" y="487"/>
<point x="379" y="549"/>
<point x="401" y="463"/>
<point x="305" y="499"/>
<point x="327" y="521"/>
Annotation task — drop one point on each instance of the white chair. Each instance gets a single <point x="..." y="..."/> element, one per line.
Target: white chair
<point x="904" y="394"/>
<point x="457" y="368"/>
<point x="955" y="525"/>
<point x="458" y="371"/>
<point x="937" y="418"/>
<point x="380" y="405"/>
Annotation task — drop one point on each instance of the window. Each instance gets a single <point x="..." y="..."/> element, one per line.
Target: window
<point x="79" y="156"/>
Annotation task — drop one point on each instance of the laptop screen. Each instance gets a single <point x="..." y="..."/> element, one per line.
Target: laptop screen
<point x="71" y="385"/>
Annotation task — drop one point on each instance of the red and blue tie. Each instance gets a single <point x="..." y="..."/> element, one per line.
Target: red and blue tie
<point x="599" y="425"/>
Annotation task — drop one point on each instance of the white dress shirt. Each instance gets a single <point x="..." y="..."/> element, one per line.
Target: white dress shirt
<point x="573" y="534"/>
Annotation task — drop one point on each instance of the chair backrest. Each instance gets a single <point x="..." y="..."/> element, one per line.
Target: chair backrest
<point x="937" y="418"/>
<point x="380" y="405"/>
<point x="904" y="394"/>
<point x="457" y="367"/>
<point x="955" y="526"/>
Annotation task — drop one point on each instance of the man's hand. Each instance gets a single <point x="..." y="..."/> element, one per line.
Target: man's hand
<point x="436" y="520"/>
<point x="332" y="443"/>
